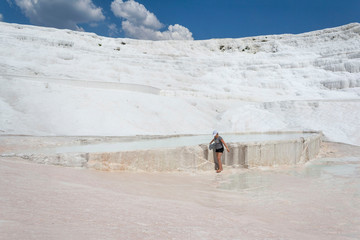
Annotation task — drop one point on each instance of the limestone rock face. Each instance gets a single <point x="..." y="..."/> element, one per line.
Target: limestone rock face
<point x="177" y="159"/>
<point x="189" y="158"/>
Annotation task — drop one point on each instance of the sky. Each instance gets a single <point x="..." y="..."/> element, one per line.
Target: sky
<point x="182" y="19"/>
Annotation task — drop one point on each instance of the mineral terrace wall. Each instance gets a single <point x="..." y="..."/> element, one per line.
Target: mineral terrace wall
<point x="190" y="158"/>
<point x="269" y="153"/>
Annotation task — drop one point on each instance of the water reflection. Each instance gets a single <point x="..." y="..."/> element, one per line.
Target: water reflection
<point x="331" y="168"/>
<point x="335" y="174"/>
<point x="245" y="181"/>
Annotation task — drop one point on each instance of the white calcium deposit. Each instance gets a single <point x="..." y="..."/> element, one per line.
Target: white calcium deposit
<point x="61" y="82"/>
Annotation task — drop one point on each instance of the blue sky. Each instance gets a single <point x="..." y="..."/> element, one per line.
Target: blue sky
<point x="185" y="19"/>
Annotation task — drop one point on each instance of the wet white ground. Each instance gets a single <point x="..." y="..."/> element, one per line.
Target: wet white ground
<point x="320" y="200"/>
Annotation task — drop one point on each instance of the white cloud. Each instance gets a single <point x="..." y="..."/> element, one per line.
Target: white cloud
<point x="176" y="32"/>
<point x="135" y="13"/>
<point x="60" y="13"/>
<point x="94" y="24"/>
<point x="139" y="23"/>
<point x="1" y="17"/>
<point x="113" y="30"/>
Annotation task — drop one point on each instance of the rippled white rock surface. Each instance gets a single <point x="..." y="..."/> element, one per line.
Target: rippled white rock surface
<point x="320" y="200"/>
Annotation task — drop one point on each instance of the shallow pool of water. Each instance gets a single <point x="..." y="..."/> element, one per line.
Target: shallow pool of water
<point x="168" y="142"/>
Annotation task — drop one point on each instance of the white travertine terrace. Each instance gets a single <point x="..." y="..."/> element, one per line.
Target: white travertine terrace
<point x="182" y="154"/>
<point x="266" y="153"/>
<point x="67" y="83"/>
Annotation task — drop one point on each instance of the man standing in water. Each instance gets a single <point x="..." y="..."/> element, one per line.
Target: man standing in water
<point x="219" y="148"/>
